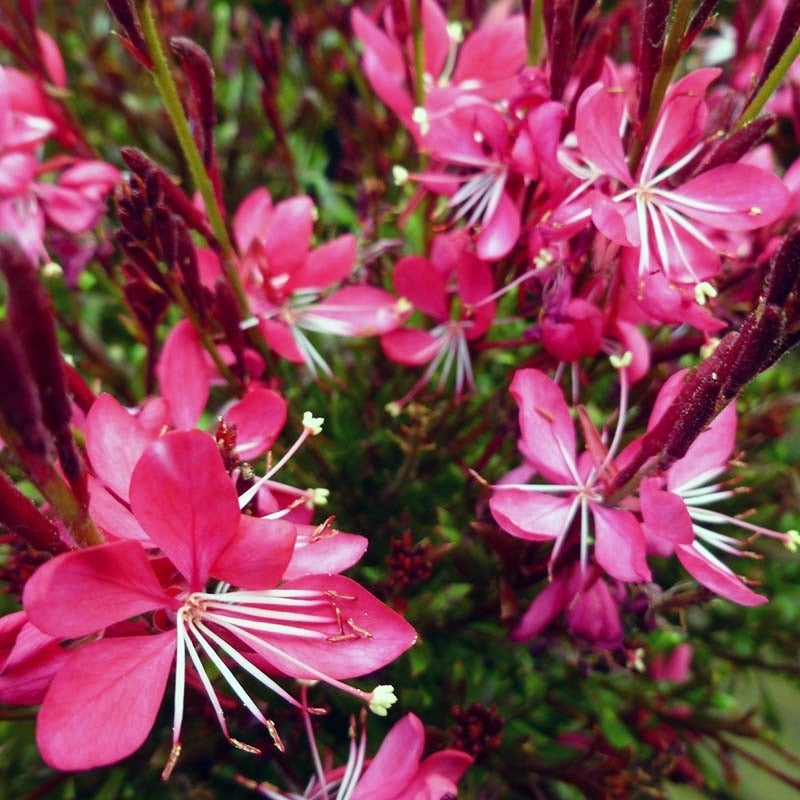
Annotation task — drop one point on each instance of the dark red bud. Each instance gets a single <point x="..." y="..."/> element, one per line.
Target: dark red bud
<point x="125" y="14"/>
<point x="19" y="515"/>
<point x="784" y="270"/>
<point x="738" y="144"/>
<point x="655" y="17"/>
<point x="227" y="314"/>
<point x="785" y="31"/>
<point x="199" y="70"/>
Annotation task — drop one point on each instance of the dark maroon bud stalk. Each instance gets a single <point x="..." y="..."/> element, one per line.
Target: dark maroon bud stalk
<point x="125" y="15"/>
<point x="759" y="343"/>
<point x="784" y="270"/>
<point x="186" y="262"/>
<point x="198" y="69"/>
<point x="693" y="419"/>
<point x="164" y="228"/>
<point x="698" y="23"/>
<point x="227" y="314"/>
<point x="30" y="316"/>
<point x="787" y="28"/>
<point x="655" y="17"/>
<point x="20" y="516"/>
<point x="738" y="144"/>
<point x="19" y="398"/>
<point x="141" y="260"/>
<point x="175" y="200"/>
<point x="560" y="47"/>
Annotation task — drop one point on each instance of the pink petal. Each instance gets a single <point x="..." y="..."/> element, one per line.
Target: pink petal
<point x="287" y="239"/>
<point x="681" y="121"/>
<point x="744" y="197"/>
<point x="82" y="592"/>
<point x="664" y="513"/>
<point x="103" y="702"/>
<point x="594" y="614"/>
<point x="183" y="375"/>
<point x="410" y="346"/>
<point x="326" y="552"/>
<point x="491" y="57"/>
<point x="259" y="418"/>
<point x="390" y="634"/>
<point x="251" y="218"/>
<point x="396" y="762"/>
<point x="113" y="516"/>
<point x="326" y="265"/>
<point x="717" y="577"/>
<point x="597" y="127"/>
<point x="415" y="279"/>
<point x="358" y="311"/>
<point x="709" y="453"/>
<point x="185" y="500"/>
<point x="67" y="208"/>
<point x="28" y="660"/>
<point x="383" y="65"/>
<point x="619" y="544"/>
<point x="257" y="556"/>
<point x="115" y="440"/>
<point x="535" y="516"/>
<point x="279" y="338"/>
<point x="548" y="434"/>
<point x="546" y="606"/>
<point x="500" y="233"/>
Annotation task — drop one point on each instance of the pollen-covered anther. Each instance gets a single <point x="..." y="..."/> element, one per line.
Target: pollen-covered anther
<point x="174" y="755"/>
<point x="324" y="530"/>
<point x="754" y="211"/>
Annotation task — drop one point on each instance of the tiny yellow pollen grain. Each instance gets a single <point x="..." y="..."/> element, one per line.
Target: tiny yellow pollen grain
<point x="52" y="270"/>
<point x="754" y="211"/>
<point x="403" y="305"/>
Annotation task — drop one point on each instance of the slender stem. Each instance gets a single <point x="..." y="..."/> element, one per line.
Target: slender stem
<point x="769" y="86"/>
<point x="166" y="86"/>
<point x="418" y="38"/>
<point x="535" y="33"/>
<point x="54" y="489"/>
<point x="672" y="52"/>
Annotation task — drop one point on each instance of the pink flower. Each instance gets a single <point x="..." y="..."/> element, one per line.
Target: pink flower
<point x="673" y="228"/>
<point x="319" y="627"/>
<point x="454" y="288"/>
<point x="574" y="488"/>
<point x="288" y="283"/>
<point x="485" y="65"/>
<point x="397" y="772"/>
<point x="675" y="511"/>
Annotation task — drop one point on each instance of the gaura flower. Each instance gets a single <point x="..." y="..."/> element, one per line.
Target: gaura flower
<point x="574" y="488"/>
<point x="103" y="701"/>
<point x="397" y="772"/>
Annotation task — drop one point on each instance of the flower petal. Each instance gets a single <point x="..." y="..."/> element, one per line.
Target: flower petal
<point x="548" y="434"/>
<point x="257" y="557"/>
<point x="82" y="592"/>
<point x="103" y="702"/>
<point x="619" y="544"/>
<point x="717" y="577"/>
<point x="185" y="500"/>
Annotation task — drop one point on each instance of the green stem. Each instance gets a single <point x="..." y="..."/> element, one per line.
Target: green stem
<point x="417" y="35"/>
<point x="769" y="86"/>
<point x="672" y="53"/>
<point x="169" y="92"/>
<point x="535" y="33"/>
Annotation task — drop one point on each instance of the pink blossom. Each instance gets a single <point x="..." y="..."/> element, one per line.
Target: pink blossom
<point x="292" y="286"/>
<point x="674" y="228"/>
<point x="397" y="772"/>
<point x="454" y="288"/>
<point x="320" y="627"/>
<point x="485" y="64"/>
<point x="675" y="511"/>
<point x="574" y="489"/>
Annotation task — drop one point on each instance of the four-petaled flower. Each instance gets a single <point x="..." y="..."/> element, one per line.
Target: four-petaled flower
<point x="104" y="698"/>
